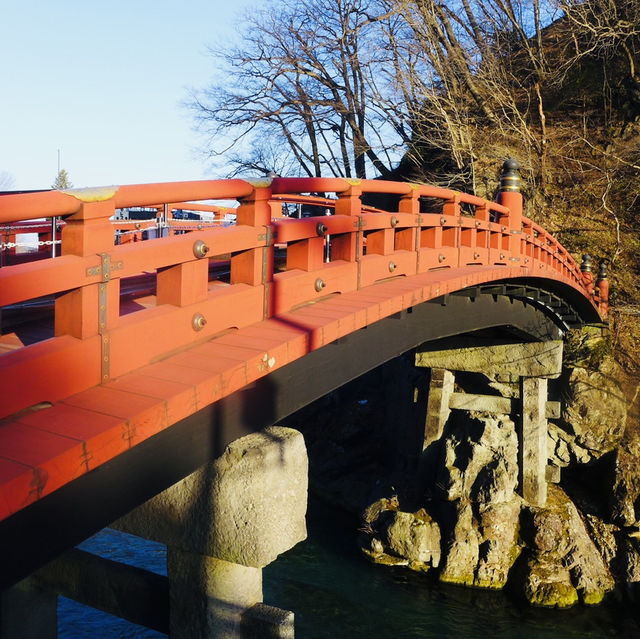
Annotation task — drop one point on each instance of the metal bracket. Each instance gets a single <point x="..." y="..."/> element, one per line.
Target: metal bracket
<point x="105" y="268"/>
<point x="105" y="340"/>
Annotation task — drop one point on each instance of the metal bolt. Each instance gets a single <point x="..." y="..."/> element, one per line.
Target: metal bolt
<point x="392" y="266"/>
<point x="394" y="221"/>
<point x="200" y="249"/>
<point x="443" y="220"/>
<point x="504" y="228"/>
<point x="319" y="284"/>
<point x="321" y="229"/>
<point x="476" y="256"/>
<point x="502" y="256"/>
<point x="477" y="223"/>
<point x="441" y="258"/>
<point x="198" y="322"/>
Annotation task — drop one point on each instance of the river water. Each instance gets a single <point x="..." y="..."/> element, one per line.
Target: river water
<point x="336" y="593"/>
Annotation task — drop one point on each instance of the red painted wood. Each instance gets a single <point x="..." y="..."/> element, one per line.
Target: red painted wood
<point x="158" y="365"/>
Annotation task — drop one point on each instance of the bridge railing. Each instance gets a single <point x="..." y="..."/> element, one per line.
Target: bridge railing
<point x="273" y="265"/>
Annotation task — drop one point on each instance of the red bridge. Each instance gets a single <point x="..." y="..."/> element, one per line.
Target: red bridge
<point x="164" y="350"/>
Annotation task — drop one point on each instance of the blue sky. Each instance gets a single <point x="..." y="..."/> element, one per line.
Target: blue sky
<point x="104" y="82"/>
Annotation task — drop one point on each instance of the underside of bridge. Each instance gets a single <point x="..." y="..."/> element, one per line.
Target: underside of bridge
<point x="499" y="313"/>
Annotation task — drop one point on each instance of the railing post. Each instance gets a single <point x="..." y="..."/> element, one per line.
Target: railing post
<point x="348" y="246"/>
<point x="409" y="239"/>
<point x="602" y="284"/>
<point x="587" y="275"/>
<point x="255" y="266"/>
<point x="510" y="196"/>
<point x="94" y="308"/>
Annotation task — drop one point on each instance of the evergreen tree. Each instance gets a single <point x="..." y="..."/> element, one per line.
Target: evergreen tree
<point x="62" y="181"/>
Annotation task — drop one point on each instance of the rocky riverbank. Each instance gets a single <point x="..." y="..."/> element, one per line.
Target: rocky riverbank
<point x="456" y="511"/>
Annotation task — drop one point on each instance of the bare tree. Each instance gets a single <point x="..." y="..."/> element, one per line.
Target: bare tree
<point x="301" y="76"/>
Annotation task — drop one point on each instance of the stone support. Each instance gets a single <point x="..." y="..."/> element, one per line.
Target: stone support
<point x="504" y="362"/>
<point x="208" y="596"/>
<point x="530" y="363"/>
<point x="533" y="440"/>
<point x="440" y="392"/>
<point x="222" y="525"/>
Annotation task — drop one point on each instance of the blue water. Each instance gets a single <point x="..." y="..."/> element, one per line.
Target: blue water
<point x="336" y="593"/>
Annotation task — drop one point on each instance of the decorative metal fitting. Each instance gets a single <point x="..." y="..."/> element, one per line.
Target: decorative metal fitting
<point x="502" y="256"/>
<point x="137" y="225"/>
<point x="510" y="178"/>
<point x="441" y="258"/>
<point x="504" y="228"/>
<point x="526" y="260"/>
<point x="476" y="256"/>
<point x="200" y="249"/>
<point x="443" y="220"/>
<point x="392" y="267"/>
<point x="319" y="284"/>
<point x="394" y="221"/>
<point x="603" y="271"/>
<point x="198" y="322"/>
<point x="585" y="267"/>
<point x="477" y="223"/>
<point x="321" y="229"/>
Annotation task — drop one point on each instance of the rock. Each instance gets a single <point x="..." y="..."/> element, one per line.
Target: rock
<point x="603" y="535"/>
<point x="625" y="490"/>
<point x="595" y="409"/>
<point x="499" y="547"/>
<point x="414" y="536"/>
<point x="627" y="562"/>
<point x="562" y="556"/>
<point x="463" y="548"/>
<point x="394" y="537"/>
<point x="548" y="584"/>
<point x="479" y="474"/>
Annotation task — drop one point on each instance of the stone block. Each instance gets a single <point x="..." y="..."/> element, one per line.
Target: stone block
<point x="533" y="440"/>
<point x="440" y="390"/>
<point x="506" y="362"/>
<point x="246" y="507"/>
<point x="266" y="622"/>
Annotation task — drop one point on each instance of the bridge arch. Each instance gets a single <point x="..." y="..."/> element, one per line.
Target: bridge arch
<point x="268" y="312"/>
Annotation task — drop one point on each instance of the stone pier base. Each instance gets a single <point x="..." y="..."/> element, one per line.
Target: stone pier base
<point x="221" y="526"/>
<point x="532" y="364"/>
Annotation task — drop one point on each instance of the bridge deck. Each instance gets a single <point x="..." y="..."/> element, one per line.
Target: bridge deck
<point x="49" y="446"/>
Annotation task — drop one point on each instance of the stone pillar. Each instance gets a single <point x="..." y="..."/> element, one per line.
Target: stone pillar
<point x="209" y="594"/>
<point x="533" y="440"/>
<point x="26" y="612"/>
<point x="222" y="525"/>
<point x="440" y="391"/>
